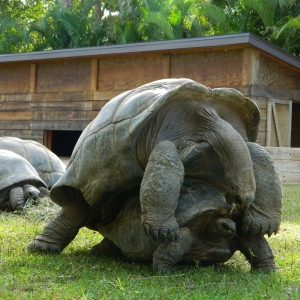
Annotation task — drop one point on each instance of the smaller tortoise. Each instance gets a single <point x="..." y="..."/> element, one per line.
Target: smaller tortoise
<point x="207" y="233"/>
<point x="49" y="167"/>
<point x="19" y="181"/>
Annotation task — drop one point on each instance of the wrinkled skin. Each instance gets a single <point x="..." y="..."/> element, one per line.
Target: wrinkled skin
<point x="133" y="142"/>
<point x="18" y="196"/>
<point x="209" y="238"/>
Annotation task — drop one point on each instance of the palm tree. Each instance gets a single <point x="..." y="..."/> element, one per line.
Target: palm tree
<point x="64" y="28"/>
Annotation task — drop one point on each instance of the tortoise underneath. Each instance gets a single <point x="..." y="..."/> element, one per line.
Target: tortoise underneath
<point x="210" y="233"/>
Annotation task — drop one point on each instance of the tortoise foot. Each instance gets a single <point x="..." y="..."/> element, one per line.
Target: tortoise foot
<point x="162" y="268"/>
<point x="266" y="266"/>
<point x="254" y="223"/>
<point x="42" y="247"/>
<point x="160" y="228"/>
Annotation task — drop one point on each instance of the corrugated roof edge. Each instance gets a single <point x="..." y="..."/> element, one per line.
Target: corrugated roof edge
<point x="202" y="42"/>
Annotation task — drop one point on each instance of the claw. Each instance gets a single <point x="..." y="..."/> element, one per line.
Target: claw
<point x="146" y="229"/>
<point x="255" y="230"/>
<point x="154" y="234"/>
<point x="270" y="231"/>
<point x="245" y="228"/>
<point x="164" y="237"/>
<point x="172" y="236"/>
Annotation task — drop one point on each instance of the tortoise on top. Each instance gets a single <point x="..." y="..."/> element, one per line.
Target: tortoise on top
<point x="49" y="167"/>
<point x="18" y="182"/>
<point x="144" y="137"/>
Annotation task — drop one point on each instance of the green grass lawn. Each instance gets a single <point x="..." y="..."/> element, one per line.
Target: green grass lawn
<point x="75" y="274"/>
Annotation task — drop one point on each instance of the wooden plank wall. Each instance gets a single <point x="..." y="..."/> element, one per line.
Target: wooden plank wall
<point x="287" y="162"/>
<point x="66" y="94"/>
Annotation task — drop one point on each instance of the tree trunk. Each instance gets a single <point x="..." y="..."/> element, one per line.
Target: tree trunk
<point x="68" y="4"/>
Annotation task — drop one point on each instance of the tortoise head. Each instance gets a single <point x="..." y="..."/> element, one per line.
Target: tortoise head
<point x="224" y="227"/>
<point x="31" y="192"/>
<point x="240" y="189"/>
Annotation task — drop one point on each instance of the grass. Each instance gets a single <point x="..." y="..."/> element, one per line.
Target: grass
<point x="75" y="274"/>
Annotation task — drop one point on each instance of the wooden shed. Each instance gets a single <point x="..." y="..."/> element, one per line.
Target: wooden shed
<point x="51" y="96"/>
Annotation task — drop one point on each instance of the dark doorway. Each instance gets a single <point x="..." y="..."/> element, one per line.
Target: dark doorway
<point x="63" y="141"/>
<point x="295" y="136"/>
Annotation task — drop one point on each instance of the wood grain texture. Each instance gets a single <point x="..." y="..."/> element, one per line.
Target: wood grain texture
<point x="250" y="66"/>
<point x="62" y="76"/>
<point x="18" y="97"/>
<point x="62" y="96"/>
<point x="15" y="124"/>
<point x="59" y="125"/>
<point x="62" y="115"/>
<point x="14" y="78"/>
<point x="54" y="105"/>
<point x="23" y="134"/>
<point x="287" y="162"/>
<point x="214" y="68"/>
<point x="272" y="73"/>
<point x="128" y="72"/>
<point x="275" y="92"/>
<point x="106" y="95"/>
<point x="32" y="78"/>
<point x="94" y="74"/>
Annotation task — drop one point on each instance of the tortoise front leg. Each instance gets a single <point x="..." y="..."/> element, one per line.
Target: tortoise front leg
<point x="16" y="199"/>
<point x="63" y="229"/>
<point x="168" y="254"/>
<point x="160" y="190"/>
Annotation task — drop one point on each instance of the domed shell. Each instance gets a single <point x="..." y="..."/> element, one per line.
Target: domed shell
<point x="49" y="167"/>
<point x="16" y="170"/>
<point x="104" y="162"/>
<point x="200" y="199"/>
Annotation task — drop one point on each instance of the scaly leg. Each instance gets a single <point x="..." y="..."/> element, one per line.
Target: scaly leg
<point x="160" y="190"/>
<point x="258" y="253"/>
<point x="168" y="254"/>
<point x="16" y="199"/>
<point x="63" y="229"/>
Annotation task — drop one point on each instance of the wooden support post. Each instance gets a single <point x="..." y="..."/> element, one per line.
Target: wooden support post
<point x="166" y="66"/>
<point x="94" y="74"/>
<point x="289" y="139"/>
<point x="32" y="78"/>
<point x="47" y="139"/>
<point x="277" y="128"/>
<point x="269" y="123"/>
<point x="250" y="67"/>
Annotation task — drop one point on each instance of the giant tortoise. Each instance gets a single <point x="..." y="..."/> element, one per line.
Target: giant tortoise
<point x="18" y="182"/>
<point x="49" y="167"/>
<point x="152" y="137"/>
<point x="210" y="232"/>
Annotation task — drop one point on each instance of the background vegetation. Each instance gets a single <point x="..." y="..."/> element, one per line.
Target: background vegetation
<point x="32" y="25"/>
<point x="75" y="274"/>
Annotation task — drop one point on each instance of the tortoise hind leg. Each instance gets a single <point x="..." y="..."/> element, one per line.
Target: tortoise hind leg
<point x="160" y="190"/>
<point x="63" y="229"/>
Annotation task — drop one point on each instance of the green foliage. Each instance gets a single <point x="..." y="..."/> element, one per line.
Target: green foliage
<point x="75" y="274"/>
<point x="43" y="25"/>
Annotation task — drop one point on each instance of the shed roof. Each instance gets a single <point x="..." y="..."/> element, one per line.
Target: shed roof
<point x="244" y="39"/>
